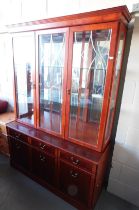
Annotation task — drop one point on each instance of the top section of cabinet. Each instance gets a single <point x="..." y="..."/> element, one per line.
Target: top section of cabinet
<point x="120" y="13"/>
<point x="66" y="73"/>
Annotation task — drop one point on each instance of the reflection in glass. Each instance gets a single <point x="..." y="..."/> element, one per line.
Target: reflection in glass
<point x="24" y="67"/>
<point x="51" y="65"/>
<point x="89" y="66"/>
<point x="114" y="88"/>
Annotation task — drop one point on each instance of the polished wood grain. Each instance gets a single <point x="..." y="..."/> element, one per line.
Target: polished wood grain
<point x="77" y="162"/>
<point x="56" y="142"/>
<point x="70" y="183"/>
<point x="68" y="170"/>
<point x="43" y="166"/>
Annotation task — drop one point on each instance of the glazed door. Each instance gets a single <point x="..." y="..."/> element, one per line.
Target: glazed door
<point x="90" y="59"/>
<point x="24" y="67"/>
<point x="115" y="83"/>
<point x="52" y="46"/>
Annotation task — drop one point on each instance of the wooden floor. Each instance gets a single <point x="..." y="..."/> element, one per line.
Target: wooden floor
<point x="7" y="117"/>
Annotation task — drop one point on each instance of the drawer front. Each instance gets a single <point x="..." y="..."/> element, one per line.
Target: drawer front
<point x="18" y="135"/>
<point x="79" y="162"/>
<point x="43" y="146"/>
<point x="19" y="153"/>
<point x="75" y="183"/>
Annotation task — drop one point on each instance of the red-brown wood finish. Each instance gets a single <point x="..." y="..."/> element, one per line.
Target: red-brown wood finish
<point x="53" y="31"/>
<point x="70" y="168"/>
<point x="114" y="28"/>
<point x="102" y="16"/>
<point x="67" y="169"/>
<point x="96" y="22"/>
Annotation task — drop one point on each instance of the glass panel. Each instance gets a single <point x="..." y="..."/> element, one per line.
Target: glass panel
<point x="51" y="66"/>
<point x="6" y="61"/>
<point x="90" y="58"/>
<point x="24" y="69"/>
<point x="114" y="88"/>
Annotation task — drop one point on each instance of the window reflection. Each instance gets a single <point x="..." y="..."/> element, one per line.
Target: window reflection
<point x="24" y="67"/>
<point x="114" y="88"/>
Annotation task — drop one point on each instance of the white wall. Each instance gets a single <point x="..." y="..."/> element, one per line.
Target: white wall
<point x="6" y="74"/>
<point x="13" y="11"/>
<point x="124" y="176"/>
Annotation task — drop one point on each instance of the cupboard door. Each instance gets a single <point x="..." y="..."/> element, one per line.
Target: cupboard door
<point x="52" y="77"/>
<point x="24" y="66"/>
<point x="75" y="183"/>
<point x="19" y="153"/>
<point x="87" y="75"/>
<point x="43" y="166"/>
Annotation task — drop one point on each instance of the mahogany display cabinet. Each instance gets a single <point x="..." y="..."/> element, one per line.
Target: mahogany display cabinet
<point x="66" y="78"/>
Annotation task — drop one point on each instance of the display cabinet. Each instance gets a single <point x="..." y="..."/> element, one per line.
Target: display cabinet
<point x="66" y="75"/>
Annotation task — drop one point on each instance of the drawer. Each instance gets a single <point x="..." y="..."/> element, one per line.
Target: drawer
<point x="78" y="162"/>
<point x="43" y="146"/>
<point x="75" y="183"/>
<point x="17" y="135"/>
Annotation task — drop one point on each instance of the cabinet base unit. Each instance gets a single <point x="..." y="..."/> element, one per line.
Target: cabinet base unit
<point x="69" y="170"/>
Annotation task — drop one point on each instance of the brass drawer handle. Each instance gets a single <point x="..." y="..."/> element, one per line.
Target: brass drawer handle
<point x="74" y="174"/>
<point x="68" y="91"/>
<point x="42" y="146"/>
<point x="75" y="162"/>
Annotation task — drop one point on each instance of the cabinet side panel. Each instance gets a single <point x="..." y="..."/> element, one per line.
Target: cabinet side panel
<point x="100" y="175"/>
<point x="115" y="82"/>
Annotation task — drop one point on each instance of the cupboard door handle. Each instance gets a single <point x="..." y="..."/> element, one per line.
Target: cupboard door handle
<point x="18" y="146"/>
<point x="68" y="91"/>
<point x="42" y="146"/>
<point x="42" y="158"/>
<point x="74" y="175"/>
<point x="75" y="162"/>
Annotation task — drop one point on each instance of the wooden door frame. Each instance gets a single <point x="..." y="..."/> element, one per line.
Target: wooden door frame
<point x="113" y="43"/>
<point x="50" y="31"/>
